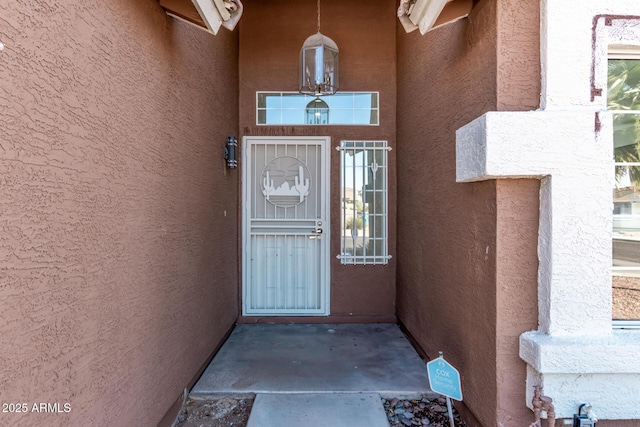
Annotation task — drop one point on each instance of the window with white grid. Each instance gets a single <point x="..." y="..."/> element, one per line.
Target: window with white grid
<point x="293" y="108"/>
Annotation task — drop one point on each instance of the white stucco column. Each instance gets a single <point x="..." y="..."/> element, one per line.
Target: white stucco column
<point x="575" y="355"/>
<point x="575" y="166"/>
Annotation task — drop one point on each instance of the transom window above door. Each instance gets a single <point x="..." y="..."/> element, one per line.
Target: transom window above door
<point x="293" y="108"/>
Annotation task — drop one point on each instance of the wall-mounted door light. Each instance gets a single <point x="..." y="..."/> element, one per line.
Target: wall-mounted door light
<point x="230" y="152"/>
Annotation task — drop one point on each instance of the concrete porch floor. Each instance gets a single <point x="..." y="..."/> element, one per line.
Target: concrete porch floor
<point x="293" y="369"/>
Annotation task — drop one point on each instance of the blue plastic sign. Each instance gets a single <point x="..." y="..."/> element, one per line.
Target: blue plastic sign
<point x="444" y="378"/>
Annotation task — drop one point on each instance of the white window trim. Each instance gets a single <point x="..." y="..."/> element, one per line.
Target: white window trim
<point x="575" y="355"/>
<point x="624" y="52"/>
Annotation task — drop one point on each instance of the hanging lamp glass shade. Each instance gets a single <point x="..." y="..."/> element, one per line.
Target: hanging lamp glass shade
<point x="317" y="112"/>
<point x="319" y="64"/>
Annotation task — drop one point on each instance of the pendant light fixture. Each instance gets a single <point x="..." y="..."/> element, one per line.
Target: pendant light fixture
<point x="319" y="64"/>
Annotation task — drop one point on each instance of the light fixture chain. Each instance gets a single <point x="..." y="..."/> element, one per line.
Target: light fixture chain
<point x="318" y="15"/>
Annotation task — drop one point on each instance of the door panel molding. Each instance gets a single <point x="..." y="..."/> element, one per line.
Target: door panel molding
<point x="285" y="226"/>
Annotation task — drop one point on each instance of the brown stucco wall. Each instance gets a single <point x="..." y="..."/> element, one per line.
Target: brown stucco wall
<point x="118" y="270"/>
<point x="517" y="292"/>
<point x="467" y="262"/>
<point x="518" y="88"/>
<point x="518" y="48"/>
<point x="271" y="35"/>
<point x="447" y="231"/>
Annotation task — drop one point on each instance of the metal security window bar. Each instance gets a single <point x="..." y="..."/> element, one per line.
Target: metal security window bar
<point x="364" y="202"/>
<point x="624" y="103"/>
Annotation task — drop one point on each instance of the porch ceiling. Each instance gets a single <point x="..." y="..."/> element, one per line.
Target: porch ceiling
<point x="424" y="15"/>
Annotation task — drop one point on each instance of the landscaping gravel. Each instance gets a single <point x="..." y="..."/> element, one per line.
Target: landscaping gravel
<point x="227" y="412"/>
<point x="420" y="412"/>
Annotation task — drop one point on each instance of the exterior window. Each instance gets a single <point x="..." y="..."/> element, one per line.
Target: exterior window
<point x="624" y="101"/>
<point x="363" y="207"/>
<point x="293" y="108"/>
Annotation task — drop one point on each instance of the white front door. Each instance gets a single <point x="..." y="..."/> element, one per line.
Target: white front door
<point x="285" y="226"/>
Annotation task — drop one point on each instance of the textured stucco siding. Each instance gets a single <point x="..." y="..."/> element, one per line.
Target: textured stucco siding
<point x="575" y="355"/>
<point x="518" y="88"/>
<point x="447" y="231"/>
<point x="271" y="35"/>
<point x="518" y="61"/>
<point x="467" y="264"/>
<point x="516" y="283"/>
<point x="118" y="220"/>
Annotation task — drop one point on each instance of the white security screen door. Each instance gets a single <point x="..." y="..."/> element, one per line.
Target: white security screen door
<point x="286" y="226"/>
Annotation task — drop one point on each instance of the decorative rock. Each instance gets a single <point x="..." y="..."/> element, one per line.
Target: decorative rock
<point x="419" y="413"/>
